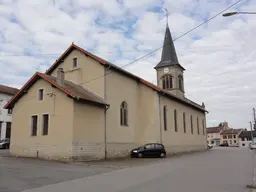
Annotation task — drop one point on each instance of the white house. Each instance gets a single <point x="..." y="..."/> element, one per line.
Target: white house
<point x="6" y="93"/>
<point x="245" y="138"/>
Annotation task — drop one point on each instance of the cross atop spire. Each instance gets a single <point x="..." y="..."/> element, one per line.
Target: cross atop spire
<point x="169" y="56"/>
<point x="167" y="15"/>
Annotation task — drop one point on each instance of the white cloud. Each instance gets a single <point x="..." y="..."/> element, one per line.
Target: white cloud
<point x="219" y="57"/>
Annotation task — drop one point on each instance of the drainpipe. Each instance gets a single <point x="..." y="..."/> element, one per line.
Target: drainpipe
<point x="105" y="132"/>
<point x="105" y="113"/>
<point x="160" y="118"/>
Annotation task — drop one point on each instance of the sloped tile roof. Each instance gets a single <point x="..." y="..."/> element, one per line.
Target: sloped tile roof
<point x="8" y="90"/>
<point x="247" y="134"/>
<point x="75" y="91"/>
<point x="119" y="69"/>
<point x="213" y="129"/>
<point x="231" y="131"/>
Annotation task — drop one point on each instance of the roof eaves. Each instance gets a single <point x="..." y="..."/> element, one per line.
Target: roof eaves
<point x="8" y="105"/>
<point x="90" y="101"/>
<point x="103" y="62"/>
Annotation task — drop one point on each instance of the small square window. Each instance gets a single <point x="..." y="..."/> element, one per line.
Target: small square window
<point x="74" y="62"/>
<point x="9" y="111"/>
<point x="40" y="94"/>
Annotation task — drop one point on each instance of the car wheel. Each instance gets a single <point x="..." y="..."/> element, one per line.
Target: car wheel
<point x="140" y="155"/>
<point x="162" y="155"/>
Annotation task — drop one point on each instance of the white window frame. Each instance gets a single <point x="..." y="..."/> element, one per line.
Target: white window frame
<point x="39" y="92"/>
<point x="42" y="123"/>
<point x="31" y="124"/>
<point x="76" y="62"/>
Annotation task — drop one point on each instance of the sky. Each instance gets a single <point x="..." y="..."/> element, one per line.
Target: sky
<point x="219" y="57"/>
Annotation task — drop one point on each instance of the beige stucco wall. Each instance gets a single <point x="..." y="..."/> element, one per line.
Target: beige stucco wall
<point x="119" y="88"/>
<point x="143" y="119"/>
<point x="230" y="140"/>
<point x="180" y="141"/>
<point x="88" y="132"/>
<point x="78" y="130"/>
<point x="87" y="70"/>
<point x="58" y="143"/>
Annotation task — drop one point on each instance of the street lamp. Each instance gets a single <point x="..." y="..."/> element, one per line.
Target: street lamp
<point x="236" y="13"/>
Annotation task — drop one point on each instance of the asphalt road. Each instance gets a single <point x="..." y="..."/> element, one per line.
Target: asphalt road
<point x="218" y="170"/>
<point x="21" y="174"/>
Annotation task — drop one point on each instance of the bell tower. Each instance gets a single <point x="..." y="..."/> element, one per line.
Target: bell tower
<point x="169" y="71"/>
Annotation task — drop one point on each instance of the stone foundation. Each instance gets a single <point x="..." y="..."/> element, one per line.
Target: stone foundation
<point x="83" y="151"/>
<point x="52" y="152"/>
<point x="117" y="150"/>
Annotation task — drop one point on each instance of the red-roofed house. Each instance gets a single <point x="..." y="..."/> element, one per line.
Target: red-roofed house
<point x="231" y="136"/>
<point x="86" y="107"/>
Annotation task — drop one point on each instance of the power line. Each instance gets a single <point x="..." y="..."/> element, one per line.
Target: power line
<point x="125" y="51"/>
<point x="211" y="18"/>
<point x="148" y="54"/>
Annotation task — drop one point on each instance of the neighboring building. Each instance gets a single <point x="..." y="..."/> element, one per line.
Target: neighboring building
<point x="245" y="138"/>
<point x="6" y="93"/>
<point x="86" y="107"/>
<point x="230" y="136"/>
<point x="213" y="133"/>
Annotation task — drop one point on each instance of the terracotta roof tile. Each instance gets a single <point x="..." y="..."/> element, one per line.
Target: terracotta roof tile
<point x="231" y="131"/>
<point x="8" y="90"/>
<point x="213" y="129"/>
<point x="106" y="63"/>
<point x="77" y="92"/>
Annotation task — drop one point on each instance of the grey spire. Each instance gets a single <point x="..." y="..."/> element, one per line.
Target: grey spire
<point x="169" y="56"/>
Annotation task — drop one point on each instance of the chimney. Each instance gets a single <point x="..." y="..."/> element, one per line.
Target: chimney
<point x="60" y="76"/>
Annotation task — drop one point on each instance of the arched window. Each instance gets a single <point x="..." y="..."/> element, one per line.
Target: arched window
<point x="184" y="122"/>
<point x="124" y="113"/>
<point x="191" y="121"/>
<point x="198" y="126"/>
<point x="203" y="126"/>
<point x="180" y="79"/>
<point x="167" y="82"/>
<point x="165" y="118"/>
<point x="175" y="121"/>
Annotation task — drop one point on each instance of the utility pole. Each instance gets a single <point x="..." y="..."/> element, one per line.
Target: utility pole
<point x="253" y="185"/>
<point x="254" y="117"/>
<point x="251" y="132"/>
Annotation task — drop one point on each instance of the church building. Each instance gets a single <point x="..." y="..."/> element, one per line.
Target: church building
<point x="84" y="107"/>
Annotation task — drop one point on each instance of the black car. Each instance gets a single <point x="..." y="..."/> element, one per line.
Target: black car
<point x="149" y="150"/>
<point x="5" y="143"/>
<point x="224" y="145"/>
